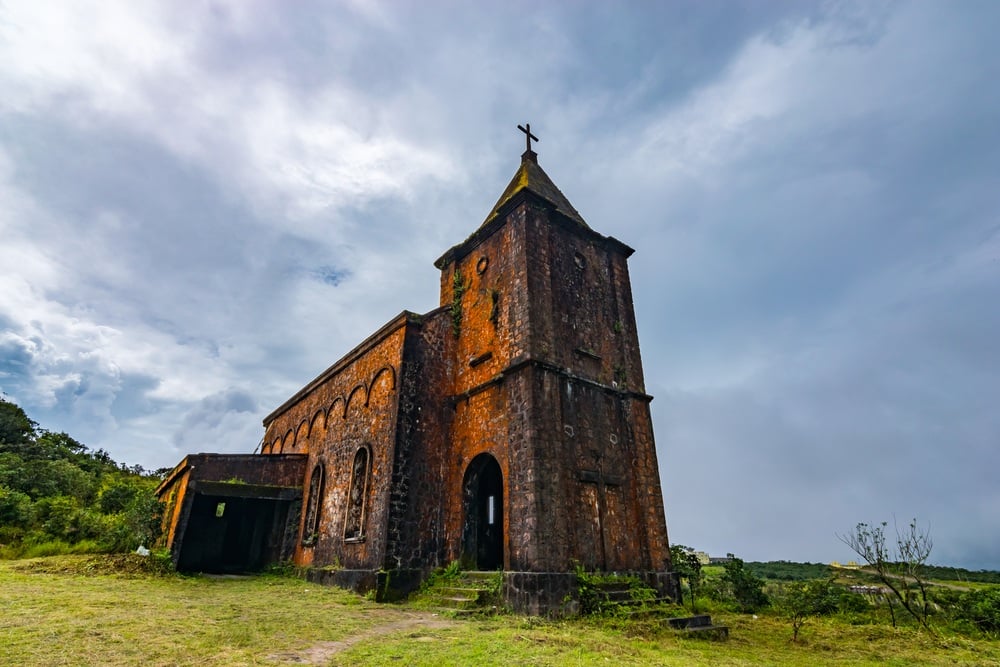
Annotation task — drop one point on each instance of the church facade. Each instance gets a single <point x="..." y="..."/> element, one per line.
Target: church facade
<point x="507" y="429"/>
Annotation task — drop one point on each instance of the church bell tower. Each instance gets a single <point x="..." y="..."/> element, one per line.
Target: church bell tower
<point x="551" y="422"/>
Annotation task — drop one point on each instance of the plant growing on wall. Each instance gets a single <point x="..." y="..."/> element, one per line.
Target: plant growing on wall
<point x="459" y="287"/>
<point x="494" y="306"/>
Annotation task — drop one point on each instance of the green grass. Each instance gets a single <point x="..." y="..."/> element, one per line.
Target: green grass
<point x="80" y="610"/>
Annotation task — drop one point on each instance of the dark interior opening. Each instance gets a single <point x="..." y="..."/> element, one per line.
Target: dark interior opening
<point x="227" y="534"/>
<point x="483" y="534"/>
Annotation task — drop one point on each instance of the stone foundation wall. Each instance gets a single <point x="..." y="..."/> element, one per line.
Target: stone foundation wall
<point x="389" y="585"/>
<point x="541" y="593"/>
<point x="557" y="594"/>
<point x="553" y="594"/>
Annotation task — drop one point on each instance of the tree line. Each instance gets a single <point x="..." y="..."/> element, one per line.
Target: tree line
<point x="59" y="496"/>
<point x="784" y="570"/>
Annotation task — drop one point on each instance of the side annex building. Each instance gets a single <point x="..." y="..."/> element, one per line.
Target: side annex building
<point x="507" y="429"/>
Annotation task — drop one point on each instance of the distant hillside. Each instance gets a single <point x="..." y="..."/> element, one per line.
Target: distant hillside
<point x="783" y="570"/>
<point x="961" y="574"/>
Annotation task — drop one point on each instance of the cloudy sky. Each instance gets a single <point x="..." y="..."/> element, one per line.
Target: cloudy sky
<point x="204" y="204"/>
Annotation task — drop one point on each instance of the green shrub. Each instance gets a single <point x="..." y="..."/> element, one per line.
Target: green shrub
<point x="981" y="608"/>
<point x="442" y="575"/>
<point x="11" y="551"/>
<point x="688" y="568"/>
<point x="746" y="588"/>
<point x="54" y="490"/>
<point x="852" y="603"/>
<point x="138" y="524"/>
<point x="798" y="601"/>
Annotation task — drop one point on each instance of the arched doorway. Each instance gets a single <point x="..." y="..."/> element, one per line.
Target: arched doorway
<point x="482" y="536"/>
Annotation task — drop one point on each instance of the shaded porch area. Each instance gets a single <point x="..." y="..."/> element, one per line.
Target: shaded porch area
<point x="232" y="513"/>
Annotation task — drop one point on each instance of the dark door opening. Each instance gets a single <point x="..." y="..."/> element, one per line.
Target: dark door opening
<point x="483" y="534"/>
<point x="232" y="534"/>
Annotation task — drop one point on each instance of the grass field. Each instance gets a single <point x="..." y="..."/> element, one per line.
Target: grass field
<point x="72" y="610"/>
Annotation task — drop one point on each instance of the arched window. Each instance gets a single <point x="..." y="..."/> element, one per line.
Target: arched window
<point x="310" y="531"/>
<point x="354" y="530"/>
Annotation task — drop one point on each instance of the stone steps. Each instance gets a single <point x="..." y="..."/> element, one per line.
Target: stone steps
<point x="700" y="624"/>
<point x="623" y="601"/>
<point x="470" y="592"/>
<point x="622" y="597"/>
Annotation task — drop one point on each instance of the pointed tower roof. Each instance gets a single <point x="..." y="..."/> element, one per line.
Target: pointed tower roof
<point x="533" y="178"/>
<point x="530" y="180"/>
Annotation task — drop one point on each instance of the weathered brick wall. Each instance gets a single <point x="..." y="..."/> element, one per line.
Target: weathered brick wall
<point x="485" y="292"/>
<point x="415" y="528"/>
<point x="549" y="381"/>
<point x="484" y="289"/>
<point x="647" y="489"/>
<point x="591" y="416"/>
<point x="280" y="470"/>
<point x="351" y="405"/>
<point x="610" y="482"/>
<point x="581" y="302"/>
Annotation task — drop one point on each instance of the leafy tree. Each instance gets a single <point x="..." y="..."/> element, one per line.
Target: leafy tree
<point x="16" y="429"/>
<point x="687" y="567"/>
<point x="116" y="495"/>
<point x="53" y="488"/>
<point x="746" y="587"/>
<point x="57" y="515"/>
<point x="138" y="523"/>
<point x="15" y="508"/>
<point x="14" y="473"/>
<point x="49" y="445"/>
<point x="795" y="601"/>
<point x="900" y="569"/>
<point x="61" y="477"/>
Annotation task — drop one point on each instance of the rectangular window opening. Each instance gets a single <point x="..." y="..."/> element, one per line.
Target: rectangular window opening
<point x="490" y="510"/>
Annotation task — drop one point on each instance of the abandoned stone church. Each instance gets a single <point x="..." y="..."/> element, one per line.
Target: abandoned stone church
<point x="507" y="429"/>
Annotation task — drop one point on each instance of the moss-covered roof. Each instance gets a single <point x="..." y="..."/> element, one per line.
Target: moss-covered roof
<point x="533" y="178"/>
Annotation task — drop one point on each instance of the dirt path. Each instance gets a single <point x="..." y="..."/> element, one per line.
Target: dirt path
<point x="321" y="653"/>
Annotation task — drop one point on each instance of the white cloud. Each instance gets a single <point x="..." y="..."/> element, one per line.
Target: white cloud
<point x="291" y="152"/>
<point x="813" y="208"/>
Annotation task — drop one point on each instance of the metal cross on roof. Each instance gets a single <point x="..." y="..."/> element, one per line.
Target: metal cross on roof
<point x="528" y="136"/>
